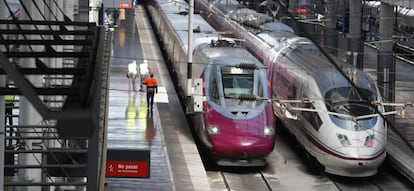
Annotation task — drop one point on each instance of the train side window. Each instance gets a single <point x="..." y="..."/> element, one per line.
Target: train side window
<point x="285" y="87"/>
<point x="311" y="116"/>
<point x="260" y="85"/>
<point x="291" y="91"/>
<point x="214" y="94"/>
<point x="260" y="91"/>
<point x="275" y="81"/>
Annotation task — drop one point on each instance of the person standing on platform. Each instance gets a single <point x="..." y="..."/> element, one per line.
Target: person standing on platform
<point x="122" y="16"/>
<point x="152" y="89"/>
<point x="133" y="73"/>
<point x="144" y="73"/>
<point x="134" y="3"/>
<point x="116" y="16"/>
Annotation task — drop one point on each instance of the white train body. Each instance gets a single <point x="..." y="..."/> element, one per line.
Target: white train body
<point x="335" y="120"/>
<point x="318" y="105"/>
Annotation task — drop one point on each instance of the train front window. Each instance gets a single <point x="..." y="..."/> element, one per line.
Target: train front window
<point x="348" y="101"/>
<point x="237" y="84"/>
<point x="237" y="81"/>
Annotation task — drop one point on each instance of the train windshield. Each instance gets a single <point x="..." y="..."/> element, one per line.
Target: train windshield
<point x="237" y="84"/>
<point x="347" y="101"/>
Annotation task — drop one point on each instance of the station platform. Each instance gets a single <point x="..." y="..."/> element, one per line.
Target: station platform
<point x="175" y="163"/>
<point x="400" y="147"/>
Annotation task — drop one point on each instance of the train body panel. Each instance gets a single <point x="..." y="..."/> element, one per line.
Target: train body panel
<point x="234" y="131"/>
<point x="334" y="119"/>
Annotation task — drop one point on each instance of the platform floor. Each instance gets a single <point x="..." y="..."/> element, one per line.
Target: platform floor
<point x="174" y="163"/>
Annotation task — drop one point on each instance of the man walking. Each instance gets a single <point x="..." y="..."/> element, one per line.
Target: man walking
<point x="133" y="73"/>
<point x="152" y="88"/>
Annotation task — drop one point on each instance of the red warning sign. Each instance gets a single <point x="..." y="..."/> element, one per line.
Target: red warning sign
<point x="126" y="169"/>
<point x="124" y="5"/>
<point x="128" y="163"/>
<point x="303" y="10"/>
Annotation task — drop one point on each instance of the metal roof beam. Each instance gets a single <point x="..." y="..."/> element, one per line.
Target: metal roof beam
<point x="50" y="71"/>
<point x="402" y="3"/>
<point x="56" y="23"/>
<point x="29" y="91"/>
<point x="47" y="32"/>
<point x="42" y="91"/>
<point x="46" y="54"/>
<point x="47" y="42"/>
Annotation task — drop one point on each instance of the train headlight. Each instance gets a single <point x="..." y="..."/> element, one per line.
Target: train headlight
<point x="343" y="139"/>
<point x="213" y="129"/>
<point x="369" y="141"/>
<point x="268" y="130"/>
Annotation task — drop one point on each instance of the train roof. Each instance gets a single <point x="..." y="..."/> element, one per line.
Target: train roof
<point x="180" y="21"/>
<point x="233" y="56"/>
<point x="240" y="13"/>
<point x="249" y="15"/>
<point x="277" y="26"/>
<point x="173" y="6"/>
<point x="277" y="39"/>
<point x="227" y="6"/>
<point x="307" y="58"/>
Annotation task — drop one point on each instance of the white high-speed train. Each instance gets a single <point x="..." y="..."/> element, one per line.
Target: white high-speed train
<point x="327" y="107"/>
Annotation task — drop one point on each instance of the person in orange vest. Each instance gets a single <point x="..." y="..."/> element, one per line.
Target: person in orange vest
<point x="152" y="89"/>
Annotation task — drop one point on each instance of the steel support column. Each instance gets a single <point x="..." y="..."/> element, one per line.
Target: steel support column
<point x="28" y="115"/>
<point x="386" y="62"/>
<point x="354" y="38"/>
<point x="331" y="36"/>
<point x="2" y="113"/>
<point x="2" y="132"/>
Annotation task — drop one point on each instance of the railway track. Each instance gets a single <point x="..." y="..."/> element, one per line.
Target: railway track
<point x="404" y="52"/>
<point x="386" y="179"/>
<point x="225" y="180"/>
<point x="287" y="170"/>
<point x="401" y="52"/>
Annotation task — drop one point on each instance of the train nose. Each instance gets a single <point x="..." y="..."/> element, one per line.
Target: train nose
<point x="251" y="147"/>
<point x="244" y="154"/>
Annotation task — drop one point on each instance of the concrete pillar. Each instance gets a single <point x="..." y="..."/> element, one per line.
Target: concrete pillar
<point x="2" y="132"/>
<point x="68" y="8"/>
<point x="354" y="38"/>
<point x="2" y="108"/>
<point x="55" y="14"/>
<point x="386" y="62"/>
<point x="293" y="4"/>
<point x="83" y="11"/>
<point x="311" y="28"/>
<point x="28" y="114"/>
<point x="3" y="11"/>
<point x="331" y="36"/>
